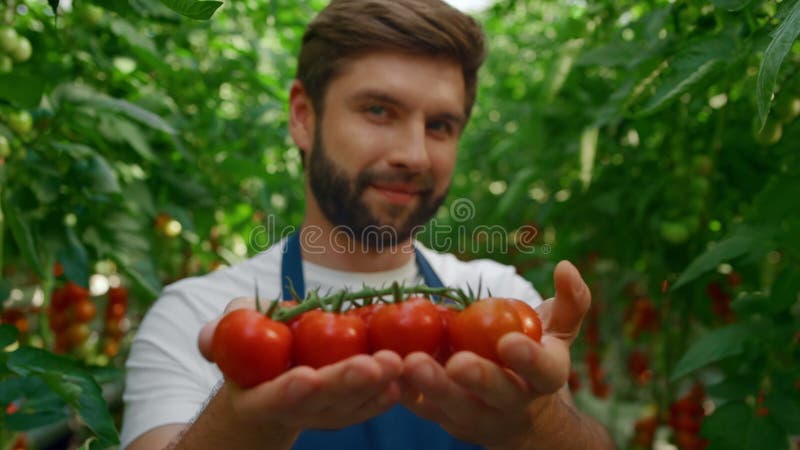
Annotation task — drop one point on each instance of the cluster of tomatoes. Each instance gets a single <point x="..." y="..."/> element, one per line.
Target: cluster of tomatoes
<point x="686" y="417"/>
<point x="16" y="317"/>
<point x="115" y="323"/>
<point x="13" y="48"/>
<point x="597" y="374"/>
<point x="639" y="367"/>
<point x="641" y="316"/>
<point x="644" y="432"/>
<point x="317" y="338"/>
<point x="71" y="311"/>
<point x="721" y="297"/>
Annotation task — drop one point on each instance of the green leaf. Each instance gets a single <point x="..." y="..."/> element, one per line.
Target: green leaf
<point x="133" y="136"/>
<point x="81" y="94"/>
<point x="193" y="9"/>
<point x="778" y="196"/>
<point x="72" y="383"/>
<point x="776" y="51"/>
<point x="516" y="192"/>
<point x="74" y="258"/>
<point x="714" y="346"/>
<point x="28" y="420"/>
<point x="689" y="67"/>
<point x="743" y="241"/>
<point x="142" y="271"/>
<point x="8" y="335"/>
<point x="731" y="5"/>
<point x="5" y="289"/>
<point x="101" y="176"/>
<point x="736" y="426"/>
<point x="127" y="31"/>
<point x="785" y="408"/>
<point x="733" y="387"/>
<point x="610" y="55"/>
<point x="22" y="236"/>
<point x="23" y="91"/>
<point x="785" y="290"/>
<point x="121" y="7"/>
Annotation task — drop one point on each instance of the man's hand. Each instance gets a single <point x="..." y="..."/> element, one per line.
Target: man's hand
<point x="481" y="402"/>
<point x="334" y="396"/>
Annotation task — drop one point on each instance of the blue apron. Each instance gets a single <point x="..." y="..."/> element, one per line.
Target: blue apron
<point x="396" y="429"/>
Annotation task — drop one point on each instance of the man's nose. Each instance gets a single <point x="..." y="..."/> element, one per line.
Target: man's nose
<point x="411" y="152"/>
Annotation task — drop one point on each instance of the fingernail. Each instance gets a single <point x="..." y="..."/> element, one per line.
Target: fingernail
<point x="298" y="389"/>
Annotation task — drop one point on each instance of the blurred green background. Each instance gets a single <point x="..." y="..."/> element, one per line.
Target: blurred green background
<point x="655" y="144"/>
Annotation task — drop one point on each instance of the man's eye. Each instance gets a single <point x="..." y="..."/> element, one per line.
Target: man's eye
<point x="440" y="126"/>
<point x="377" y="110"/>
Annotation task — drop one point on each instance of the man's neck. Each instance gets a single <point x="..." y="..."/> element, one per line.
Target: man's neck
<point x="321" y="244"/>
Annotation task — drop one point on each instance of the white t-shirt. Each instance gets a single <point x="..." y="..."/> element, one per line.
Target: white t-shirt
<point x="168" y="381"/>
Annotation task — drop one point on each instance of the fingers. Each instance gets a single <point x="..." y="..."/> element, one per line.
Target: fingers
<point x="544" y="366"/>
<point x="333" y="396"/>
<point x="494" y="386"/>
<point x="206" y="334"/>
<point x="571" y="302"/>
<point x="430" y="379"/>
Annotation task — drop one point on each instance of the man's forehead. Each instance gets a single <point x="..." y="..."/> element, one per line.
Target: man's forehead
<point x="399" y="75"/>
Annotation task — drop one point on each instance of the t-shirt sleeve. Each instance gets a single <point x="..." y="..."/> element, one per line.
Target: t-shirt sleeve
<point x="167" y="379"/>
<point x="515" y="286"/>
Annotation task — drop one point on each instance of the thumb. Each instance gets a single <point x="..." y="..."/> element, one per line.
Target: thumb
<point x="206" y="335"/>
<point x="571" y="302"/>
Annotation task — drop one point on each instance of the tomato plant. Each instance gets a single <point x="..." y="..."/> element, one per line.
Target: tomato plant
<point x="322" y="338"/>
<point x="413" y="325"/>
<point x="480" y="326"/>
<point x="250" y="348"/>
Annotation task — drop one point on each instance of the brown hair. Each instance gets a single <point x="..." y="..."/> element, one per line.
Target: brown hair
<point x="346" y="29"/>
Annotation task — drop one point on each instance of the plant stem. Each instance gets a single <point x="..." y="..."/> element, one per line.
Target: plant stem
<point x="313" y="301"/>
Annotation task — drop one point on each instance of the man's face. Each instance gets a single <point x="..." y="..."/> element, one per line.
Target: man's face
<point x="385" y="147"/>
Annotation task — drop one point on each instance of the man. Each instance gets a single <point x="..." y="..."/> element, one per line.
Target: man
<point x="383" y="91"/>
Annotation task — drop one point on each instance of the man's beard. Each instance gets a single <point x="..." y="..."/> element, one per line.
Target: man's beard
<point x="341" y="200"/>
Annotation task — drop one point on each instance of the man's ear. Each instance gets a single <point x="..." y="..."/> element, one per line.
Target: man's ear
<point x="301" y="117"/>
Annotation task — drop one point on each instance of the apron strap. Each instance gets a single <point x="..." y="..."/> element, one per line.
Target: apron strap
<point x="292" y="269"/>
<point x="292" y="277"/>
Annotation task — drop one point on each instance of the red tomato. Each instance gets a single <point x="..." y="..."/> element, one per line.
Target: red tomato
<point x="480" y="326"/>
<point x="531" y="324"/>
<point x="250" y="348"/>
<point x="445" y="350"/>
<point x="414" y="325"/>
<point x="365" y="312"/>
<point x="84" y="310"/>
<point x="322" y="338"/>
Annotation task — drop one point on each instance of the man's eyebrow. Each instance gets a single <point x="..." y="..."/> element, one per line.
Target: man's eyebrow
<point x="378" y="96"/>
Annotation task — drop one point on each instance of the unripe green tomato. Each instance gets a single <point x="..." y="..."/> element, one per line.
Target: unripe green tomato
<point x="6" y="64"/>
<point x="5" y="147"/>
<point x="8" y="39"/>
<point x="770" y="134"/>
<point x="674" y="232"/>
<point x="23" y="51"/>
<point x="92" y="14"/>
<point x="20" y="122"/>
<point x="788" y="109"/>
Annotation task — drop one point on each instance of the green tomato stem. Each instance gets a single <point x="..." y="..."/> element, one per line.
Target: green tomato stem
<point x="336" y="301"/>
